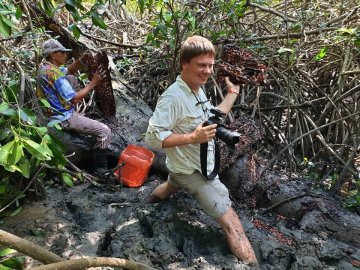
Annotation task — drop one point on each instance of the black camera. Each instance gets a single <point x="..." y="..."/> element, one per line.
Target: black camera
<point x="227" y="136"/>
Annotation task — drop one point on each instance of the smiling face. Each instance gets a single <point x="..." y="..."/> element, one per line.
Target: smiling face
<point x="197" y="71"/>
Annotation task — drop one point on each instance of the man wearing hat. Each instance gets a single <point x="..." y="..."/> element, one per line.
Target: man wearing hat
<point x="56" y="84"/>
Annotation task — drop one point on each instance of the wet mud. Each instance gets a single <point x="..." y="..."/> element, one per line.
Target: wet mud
<point x="175" y="234"/>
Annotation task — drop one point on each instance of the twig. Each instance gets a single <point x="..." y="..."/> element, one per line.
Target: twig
<point x="273" y="11"/>
<point x="256" y="103"/>
<point x="293" y="198"/>
<point x="302" y="136"/>
<point x="23" y="2"/>
<point x="85" y="175"/>
<point x="112" y="43"/>
<point x="26" y="188"/>
<point x="22" y="76"/>
<point x="284" y="36"/>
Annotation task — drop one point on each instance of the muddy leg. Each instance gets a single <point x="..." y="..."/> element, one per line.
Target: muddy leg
<point x="238" y="242"/>
<point x="162" y="192"/>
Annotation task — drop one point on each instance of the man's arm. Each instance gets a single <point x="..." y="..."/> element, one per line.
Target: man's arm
<point x="74" y="67"/>
<point x="79" y="63"/>
<point x="160" y="130"/>
<point x="97" y="77"/>
<point x="233" y="93"/>
<point x="199" y="135"/>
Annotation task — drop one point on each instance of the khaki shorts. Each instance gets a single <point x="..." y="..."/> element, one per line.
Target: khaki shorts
<point x="212" y="195"/>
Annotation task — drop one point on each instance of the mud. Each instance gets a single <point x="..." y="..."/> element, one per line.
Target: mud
<point x="174" y="234"/>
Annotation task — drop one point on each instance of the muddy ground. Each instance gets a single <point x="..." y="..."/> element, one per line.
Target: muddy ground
<point x="118" y="222"/>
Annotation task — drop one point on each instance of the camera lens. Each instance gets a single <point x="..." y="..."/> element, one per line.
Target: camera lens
<point x="229" y="137"/>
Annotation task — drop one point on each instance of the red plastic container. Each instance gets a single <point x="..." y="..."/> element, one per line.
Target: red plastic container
<point x="138" y="161"/>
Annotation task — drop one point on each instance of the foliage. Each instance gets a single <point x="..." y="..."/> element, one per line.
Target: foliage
<point x="24" y="145"/>
<point x="9" y="15"/>
<point x="79" y="12"/>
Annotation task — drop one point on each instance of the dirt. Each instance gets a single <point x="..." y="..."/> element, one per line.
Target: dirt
<point x="175" y="234"/>
<point x="117" y="221"/>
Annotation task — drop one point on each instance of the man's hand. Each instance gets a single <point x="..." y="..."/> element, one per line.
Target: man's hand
<point x="98" y="76"/>
<point x="203" y="134"/>
<point x="231" y="86"/>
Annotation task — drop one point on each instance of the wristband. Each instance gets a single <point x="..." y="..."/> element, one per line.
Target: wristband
<point x="231" y="91"/>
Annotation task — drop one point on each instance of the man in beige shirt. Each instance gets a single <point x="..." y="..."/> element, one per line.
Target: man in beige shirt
<point x="177" y="126"/>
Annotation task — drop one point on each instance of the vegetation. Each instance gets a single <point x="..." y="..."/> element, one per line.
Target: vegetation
<point x="308" y="111"/>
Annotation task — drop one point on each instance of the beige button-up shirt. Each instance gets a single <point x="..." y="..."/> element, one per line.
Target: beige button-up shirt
<point x="179" y="110"/>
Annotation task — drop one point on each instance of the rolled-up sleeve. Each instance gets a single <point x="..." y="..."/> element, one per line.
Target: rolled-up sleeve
<point x="161" y="122"/>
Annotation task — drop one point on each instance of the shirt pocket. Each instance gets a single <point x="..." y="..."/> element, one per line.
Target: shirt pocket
<point x="191" y="121"/>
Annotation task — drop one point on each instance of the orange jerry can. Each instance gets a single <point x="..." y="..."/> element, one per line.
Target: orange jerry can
<point x="138" y="161"/>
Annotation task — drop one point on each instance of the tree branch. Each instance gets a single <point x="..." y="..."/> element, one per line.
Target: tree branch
<point x="84" y="263"/>
<point x="28" y="248"/>
<point x="271" y="10"/>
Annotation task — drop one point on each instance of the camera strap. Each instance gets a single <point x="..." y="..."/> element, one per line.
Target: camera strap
<point x="203" y="160"/>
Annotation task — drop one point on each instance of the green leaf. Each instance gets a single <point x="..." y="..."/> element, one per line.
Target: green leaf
<point x="53" y="123"/>
<point x="57" y="147"/>
<point x="9" y="23"/>
<point x="96" y="20"/>
<point x="18" y="13"/>
<point x="3" y="267"/>
<point x="4" y="28"/>
<point x="4" y="134"/>
<point x="47" y="5"/>
<point x="71" y="3"/>
<point x="25" y="118"/>
<point x="15" y="154"/>
<point x="15" y="263"/>
<point x="322" y="53"/>
<point x="7" y="251"/>
<point x="5" y="151"/>
<point x="37" y="150"/>
<point x="75" y="4"/>
<point x="45" y="103"/>
<point x="76" y="31"/>
<point x="9" y="112"/>
<point x="16" y="212"/>
<point x="72" y="10"/>
<point x="41" y="130"/>
<point x="24" y="167"/>
<point x="141" y="4"/>
<point x="3" y="190"/>
<point x="67" y="178"/>
<point x="3" y="156"/>
<point x="4" y="106"/>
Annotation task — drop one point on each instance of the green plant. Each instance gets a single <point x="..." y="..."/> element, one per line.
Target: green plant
<point x="24" y="146"/>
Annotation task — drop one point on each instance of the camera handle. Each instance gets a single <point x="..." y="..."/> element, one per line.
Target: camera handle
<point x="203" y="160"/>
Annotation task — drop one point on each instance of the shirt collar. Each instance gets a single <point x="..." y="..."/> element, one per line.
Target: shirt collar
<point x="183" y="85"/>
